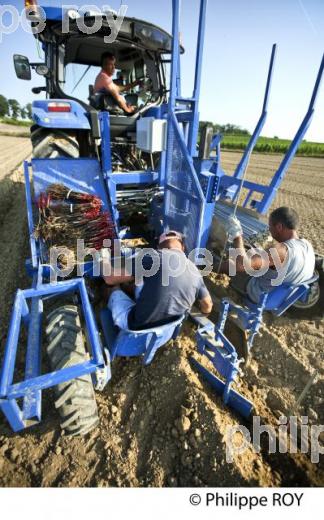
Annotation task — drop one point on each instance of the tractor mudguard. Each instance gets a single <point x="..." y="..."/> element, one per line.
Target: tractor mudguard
<point x="75" y="118"/>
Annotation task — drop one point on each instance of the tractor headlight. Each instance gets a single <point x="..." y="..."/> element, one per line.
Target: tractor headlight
<point x="42" y="70"/>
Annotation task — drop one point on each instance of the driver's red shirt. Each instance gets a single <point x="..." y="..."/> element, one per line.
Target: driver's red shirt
<point x="102" y="81"/>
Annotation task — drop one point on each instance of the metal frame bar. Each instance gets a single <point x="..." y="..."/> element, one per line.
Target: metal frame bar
<point x="194" y="125"/>
<point x="135" y="177"/>
<point x="104" y="119"/>
<point x="174" y="54"/>
<point x="32" y="401"/>
<point x="28" y="197"/>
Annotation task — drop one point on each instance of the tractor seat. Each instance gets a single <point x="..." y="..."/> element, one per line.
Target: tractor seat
<point x="131" y="343"/>
<point x="282" y="297"/>
<point x="249" y="317"/>
<point x="103" y="101"/>
<point x="120" y="122"/>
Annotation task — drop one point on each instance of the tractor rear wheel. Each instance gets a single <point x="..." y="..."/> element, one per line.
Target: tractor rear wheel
<point x="314" y="306"/>
<point x="75" y="399"/>
<point x="49" y="143"/>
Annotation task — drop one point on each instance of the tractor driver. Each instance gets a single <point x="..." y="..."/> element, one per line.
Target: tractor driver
<point x="104" y="83"/>
<point x="290" y="261"/>
<point x="165" y="295"/>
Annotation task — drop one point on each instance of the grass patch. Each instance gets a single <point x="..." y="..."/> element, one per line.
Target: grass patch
<point x="15" y="134"/>
<point x="272" y="145"/>
<point x="15" y="122"/>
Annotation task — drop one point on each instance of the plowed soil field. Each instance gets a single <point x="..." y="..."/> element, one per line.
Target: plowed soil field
<point x="162" y="425"/>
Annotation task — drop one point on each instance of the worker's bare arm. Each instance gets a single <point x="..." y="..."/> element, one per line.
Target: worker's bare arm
<point x="238" y="243"/>
<point x="273" y="257"/>
<point x="114" y="91"/>
<point x="116" y="274"/>
<point x="240" y="253"/>
<point x="238" y="263"/>
<point x="268" y="258"/>
<point x="118" y="278"/>
<point x="206" y="305"/>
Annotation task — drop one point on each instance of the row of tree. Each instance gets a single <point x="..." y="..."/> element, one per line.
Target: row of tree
<point x="225" y="129"/>
<point x="11" y="108"/>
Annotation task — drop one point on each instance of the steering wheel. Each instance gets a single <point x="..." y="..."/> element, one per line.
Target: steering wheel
<point x="145" y="83"/>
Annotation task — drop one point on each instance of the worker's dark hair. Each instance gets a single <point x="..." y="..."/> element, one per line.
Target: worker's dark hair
<point x="171" y="235"/>
<point x="286" y="216"/>
<point x="106" y="56"/>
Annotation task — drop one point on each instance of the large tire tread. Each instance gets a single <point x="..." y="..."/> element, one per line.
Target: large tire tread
<point x="75" y="399"/>
<point x="50" y="143"/>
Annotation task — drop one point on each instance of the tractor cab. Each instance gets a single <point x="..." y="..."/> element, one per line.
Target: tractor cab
<point x="73" y="56"/>
<point x="80" y="63"/>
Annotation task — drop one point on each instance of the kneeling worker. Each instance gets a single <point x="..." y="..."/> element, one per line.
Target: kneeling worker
<point x="165" y="295"/>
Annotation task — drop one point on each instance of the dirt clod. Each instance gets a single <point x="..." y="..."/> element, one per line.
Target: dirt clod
<point x="183" y="424"/>
<point x="13" y="455"/>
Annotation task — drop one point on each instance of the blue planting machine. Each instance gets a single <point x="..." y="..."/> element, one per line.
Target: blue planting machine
<point x="146" y="164"/>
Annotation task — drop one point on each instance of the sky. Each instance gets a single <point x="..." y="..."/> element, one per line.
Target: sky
<point x="237" y="47"/>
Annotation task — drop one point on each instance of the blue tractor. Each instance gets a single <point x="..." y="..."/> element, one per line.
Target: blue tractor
<point x="148" y="173"/>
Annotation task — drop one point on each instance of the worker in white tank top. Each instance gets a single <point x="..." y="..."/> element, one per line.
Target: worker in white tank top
<point x="290" y="261"/>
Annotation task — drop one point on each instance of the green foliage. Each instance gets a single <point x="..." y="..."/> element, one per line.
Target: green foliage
<point x="23" y="113"/>
<point x="10" y="110"/>
<point x="4" y="107"/>
<point x="272" y="145"/>
<point x="14" y="108"/>
<point x="225" y="129"/>
<point x="237" y="138"/>
<point x="28" y="109"/>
